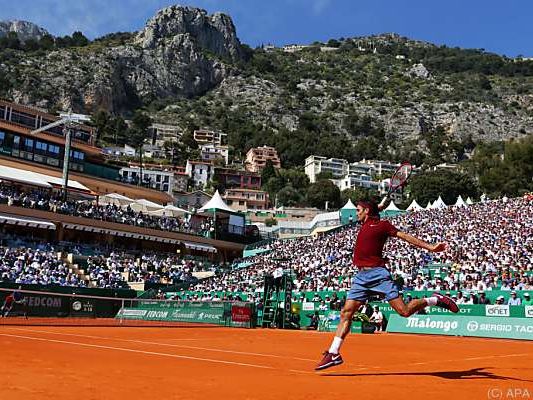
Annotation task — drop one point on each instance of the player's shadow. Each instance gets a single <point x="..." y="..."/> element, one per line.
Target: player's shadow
<point x="475" y="373"/>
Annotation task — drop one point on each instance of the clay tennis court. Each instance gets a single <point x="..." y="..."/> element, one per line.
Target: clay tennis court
<point x="47" y="362"/>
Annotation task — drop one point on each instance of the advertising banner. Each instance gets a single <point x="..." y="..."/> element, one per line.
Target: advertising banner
<point x="241" y="313"/>
<point x="496" y="310"/>
<point x="504" y="328"/>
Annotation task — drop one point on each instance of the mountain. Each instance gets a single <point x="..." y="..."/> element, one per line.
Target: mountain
<point x="379" y="96"/>
<point x="24" y="30"/>
<point x="178" y="54"/>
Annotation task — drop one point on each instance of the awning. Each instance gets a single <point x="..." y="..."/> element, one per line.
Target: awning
<point x="133" y="235"/>
<point x="21" y="221"/>
<point x="200" y="247"/>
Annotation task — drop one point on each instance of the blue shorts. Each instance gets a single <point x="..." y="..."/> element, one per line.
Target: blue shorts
<point x="373" y="281"/>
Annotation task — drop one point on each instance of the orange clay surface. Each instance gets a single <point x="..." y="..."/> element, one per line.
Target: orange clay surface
<point x="60" y="363"/>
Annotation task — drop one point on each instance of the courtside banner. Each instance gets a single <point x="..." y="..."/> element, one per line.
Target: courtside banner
<point x="497" y="310"/>
<point x="529" y="311"/>
<point x="241" y="313"/>
<point x="504" y="328"/>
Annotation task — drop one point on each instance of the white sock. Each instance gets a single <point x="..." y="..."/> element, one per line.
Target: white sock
<point x="432" y="301"/>
<point x="336" y="345"/>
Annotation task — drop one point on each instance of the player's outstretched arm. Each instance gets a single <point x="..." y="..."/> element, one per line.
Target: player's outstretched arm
<point x="435" y="248"/>
<point x="383" y="202"/>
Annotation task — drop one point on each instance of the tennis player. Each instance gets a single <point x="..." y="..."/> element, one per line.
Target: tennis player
<point x="374" y="278"/>
<point x="12" y="299"/>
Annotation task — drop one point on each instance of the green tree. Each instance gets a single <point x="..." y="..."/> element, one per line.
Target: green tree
<point x="321" y="192"/>
<point x="79" y="39"/>
<point x="138" y="133"/>
<point x="289" y="197"/>
<point x="508" y="174"/>
<point x="100" y="120"/>
<point x="268" y="171"/>
<point x="47" y="42"/>
<point x="428" y="186"/>
<point x="357" y="194"/>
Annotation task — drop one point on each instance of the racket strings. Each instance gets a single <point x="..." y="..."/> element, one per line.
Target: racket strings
<point x="400" y="176"/>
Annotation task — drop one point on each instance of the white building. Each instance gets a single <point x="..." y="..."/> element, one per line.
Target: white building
<point x="162" y="180"/>
<point x="153" y="151"/>
<point x="210" y="152"/>
<point x="200" y="172"/>
<point x="291" y="48"/>
<point x="116" y="151"/>
<point x="315" y="165"/>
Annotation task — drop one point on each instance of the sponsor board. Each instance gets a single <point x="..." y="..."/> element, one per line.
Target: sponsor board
<point x="496" y="310"/>
<point x="528" y="310"/>
<point x="129" y="312"/>
<point x="43" y="301"/>
<point x="308" y="306"/>
<point x="241" y="314"/>
<point x="508" y="328"/>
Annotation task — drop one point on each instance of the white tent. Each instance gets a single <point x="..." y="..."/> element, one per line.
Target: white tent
<point x="469" y="201"/>
<point x="115" y="198"/>
<point x="460" y="202"/>
<point x="429" y="206"/>
<point x="216" y="203"/>
<point x="145" y="205"/>
<point x="169" y="211"/>
<point x="414" y="206"/>
<point x="349" y="205"/>
<point x="392" y="207"/>
<point x="439" y="203"/>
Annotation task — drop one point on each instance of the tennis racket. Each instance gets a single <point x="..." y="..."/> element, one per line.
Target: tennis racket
<point x="397" y="181"/>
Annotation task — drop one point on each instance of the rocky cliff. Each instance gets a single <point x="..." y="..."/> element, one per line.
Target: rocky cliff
<point x="24" y="30"/>
<point x="182" y="53"/>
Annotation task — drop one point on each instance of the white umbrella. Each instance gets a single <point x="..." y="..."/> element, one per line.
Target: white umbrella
<point x="145" y="205"/>
<point x="169" y="211"/>
<point x="115" y="198"/>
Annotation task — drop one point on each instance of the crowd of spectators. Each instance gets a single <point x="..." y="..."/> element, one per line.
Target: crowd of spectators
<point x="44" y="200"/>
<point x="36" y="266"/>
<point x="490" y="246"/>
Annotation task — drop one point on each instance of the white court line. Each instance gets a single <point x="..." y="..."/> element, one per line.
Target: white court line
<point x="138" y="351"/>
<point x="386" y="367"/>
<point x="165" y="344"/>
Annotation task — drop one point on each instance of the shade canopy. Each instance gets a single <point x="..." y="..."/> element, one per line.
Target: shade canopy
<point x="216" y="203"/>
<point x="349" y="205"/>
<point x="414" y="206"/>
<point x="169" y="211"/>
<point x="392" y="207"/>
<point x="145" y="205"/>
<point x="460" y="202"/>
<point x="439" y="203"/>
<point x="115" y="198"/>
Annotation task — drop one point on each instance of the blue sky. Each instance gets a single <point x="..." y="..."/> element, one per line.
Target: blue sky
<point x="503" y="27"/>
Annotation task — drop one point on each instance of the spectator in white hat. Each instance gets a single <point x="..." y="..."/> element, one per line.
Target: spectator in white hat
<point x="528" y="301"/>
<point x="514" y="300"/>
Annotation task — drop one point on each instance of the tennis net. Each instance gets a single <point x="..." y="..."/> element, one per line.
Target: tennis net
<point x="31" y="307"/>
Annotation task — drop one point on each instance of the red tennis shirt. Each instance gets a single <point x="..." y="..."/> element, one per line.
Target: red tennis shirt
<point x="368" y="250"/>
